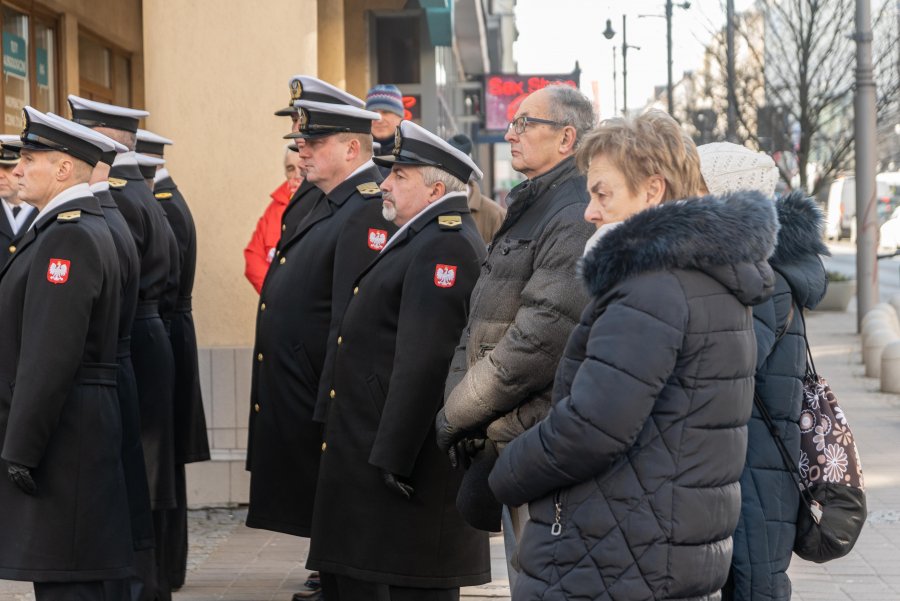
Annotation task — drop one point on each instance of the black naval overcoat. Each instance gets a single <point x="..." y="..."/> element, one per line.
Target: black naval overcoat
<point x="6" y="236"/>
<point x="328" y="248"/>
<point x="391" y="353"/>
<point x="191" y="442"/>
<point x="59" y="412"/>
<point x="132" y="450"/>
<point x="151" y="350"/>
<point x="300" y="204"/>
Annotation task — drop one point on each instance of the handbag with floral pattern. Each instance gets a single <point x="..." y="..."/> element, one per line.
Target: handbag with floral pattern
<point x="828" y="473"/>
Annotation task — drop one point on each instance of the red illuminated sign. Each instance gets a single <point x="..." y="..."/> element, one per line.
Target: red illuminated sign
<point x="504" y="93"/>
<point x="412" y="111"/>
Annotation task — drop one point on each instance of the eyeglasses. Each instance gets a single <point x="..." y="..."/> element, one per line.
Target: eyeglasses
<point x="520" y="123"/>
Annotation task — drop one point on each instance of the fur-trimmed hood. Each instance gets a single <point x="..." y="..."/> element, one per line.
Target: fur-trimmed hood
<point x="729" y="238"/>
<point x="800" y="243"/>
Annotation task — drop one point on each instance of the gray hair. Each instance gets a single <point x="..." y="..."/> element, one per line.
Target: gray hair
<point x="570" y="107"/>
<point x="433" y="175"/>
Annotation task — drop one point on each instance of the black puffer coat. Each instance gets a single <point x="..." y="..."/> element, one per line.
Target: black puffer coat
<point x="764" y="539"/>
<point x="632" y="478"/>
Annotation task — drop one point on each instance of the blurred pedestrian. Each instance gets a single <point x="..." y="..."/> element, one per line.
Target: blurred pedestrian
<point x="632" y="479"/>
<point x="764" y="539"/>
<point x="64" y="524"/>
<point x="527" y="300"/>
<point x="261" y="248"/>
<point x="387" y="101"/>
<point x="407" y="541"/>
<point x="488" y="215"/>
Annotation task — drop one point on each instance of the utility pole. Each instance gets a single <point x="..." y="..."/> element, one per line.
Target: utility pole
<point x="615" y="91"/>
<point x="867" y="295"/>
<point x="624" y="69"/>
<point x="670" y="101"/>
<point x="731" y="134"/>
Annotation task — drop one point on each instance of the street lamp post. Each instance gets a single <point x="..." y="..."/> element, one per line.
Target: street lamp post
<point x="669" y="95"/>
<point x="615" y="90"/>
<point x="608" y="33"/>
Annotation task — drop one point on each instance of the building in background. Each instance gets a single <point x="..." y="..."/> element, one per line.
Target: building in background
<point x="211" y="74"/>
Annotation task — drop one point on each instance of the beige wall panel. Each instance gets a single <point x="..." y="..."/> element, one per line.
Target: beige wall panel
<point x="215" y="71"/>
<point x="118" y="21"/>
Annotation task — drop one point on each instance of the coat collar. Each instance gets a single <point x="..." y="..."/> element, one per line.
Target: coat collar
<point x="796" y="256"/>
<point x="454" y="205"/>
<point x="127" y="171"/>
<point x="85" y="204"/>
<point x="711" y="234"/>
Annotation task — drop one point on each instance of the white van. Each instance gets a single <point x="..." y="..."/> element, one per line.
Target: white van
<point x="841" y="211"/>
<point x="840" y="215"/>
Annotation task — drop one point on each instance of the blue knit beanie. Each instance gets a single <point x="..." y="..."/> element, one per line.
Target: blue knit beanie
<point x="385" y="97"/>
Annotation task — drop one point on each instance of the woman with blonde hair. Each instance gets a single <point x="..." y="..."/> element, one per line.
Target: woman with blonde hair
<point x="632" y="479"/>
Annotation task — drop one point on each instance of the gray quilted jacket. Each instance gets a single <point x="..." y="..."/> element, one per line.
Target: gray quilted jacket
<point x="525" y="304"/>
<point x="632" y="478"/>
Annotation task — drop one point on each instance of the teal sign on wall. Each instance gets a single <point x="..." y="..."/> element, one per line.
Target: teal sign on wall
<point x="43" y="68"/>
<point x="15" y="54"/>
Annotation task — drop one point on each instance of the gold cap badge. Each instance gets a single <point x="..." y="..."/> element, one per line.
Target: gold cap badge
<point x="296" y="90"/>
<point x="398" y="139"/>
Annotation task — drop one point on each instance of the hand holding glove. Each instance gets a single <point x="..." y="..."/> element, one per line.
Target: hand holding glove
<point x="21" y="477"/>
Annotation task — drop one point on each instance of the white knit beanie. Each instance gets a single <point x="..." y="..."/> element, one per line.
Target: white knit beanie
<point x="728" y="167"/>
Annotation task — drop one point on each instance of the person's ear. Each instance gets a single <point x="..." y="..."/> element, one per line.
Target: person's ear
<point x="438" y="189"/>
<point x="567" y="143"/>
<point x="655" y="189"/>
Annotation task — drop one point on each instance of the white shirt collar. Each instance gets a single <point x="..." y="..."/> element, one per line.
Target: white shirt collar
<point x="100" y="186"/>
<point x="125" y="158"/>
<point x="162" y="173"/>
<point x="15" y="223"/>
<point x="406" y="225"/>
<point x="76" y="191"/>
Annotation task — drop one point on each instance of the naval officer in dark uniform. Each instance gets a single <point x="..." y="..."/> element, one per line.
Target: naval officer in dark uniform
<point x="340" y="235"/>
<point x="64" y="523"/>
<point x="385" y="524"/>
<point x="151" y="351"/>
<point x="191" y="442"/>
<point x="15" y="215"/>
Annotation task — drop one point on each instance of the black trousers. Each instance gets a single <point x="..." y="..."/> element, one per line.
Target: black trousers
<point x="110" y="590"/>
<point x="344" y="588"/>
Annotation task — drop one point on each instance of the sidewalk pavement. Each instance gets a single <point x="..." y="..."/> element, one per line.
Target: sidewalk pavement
<point x="229" y="561"/>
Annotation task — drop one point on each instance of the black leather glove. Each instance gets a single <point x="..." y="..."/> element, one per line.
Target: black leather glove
<point x="463" y="451"/>
<point x="21" y="477"/>
<point x="447" y="434"/>
<point x="401" y="488"/>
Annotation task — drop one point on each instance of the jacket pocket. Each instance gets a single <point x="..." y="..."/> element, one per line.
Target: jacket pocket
<point x="376" y="393"/>
<point x="305" y="366"/>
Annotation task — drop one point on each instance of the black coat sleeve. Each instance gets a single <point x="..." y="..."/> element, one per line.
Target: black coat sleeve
<point x="431" y="318"/>
<point x="54" y="333"/>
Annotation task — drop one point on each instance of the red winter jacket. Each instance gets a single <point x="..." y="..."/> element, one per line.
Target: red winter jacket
<point x="261" y="248"/>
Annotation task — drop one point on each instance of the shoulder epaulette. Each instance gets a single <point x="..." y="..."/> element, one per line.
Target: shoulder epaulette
<point x="450" y="222"/>
<point x="115" y="182"/>
<point x="69" y="216"/>
<point x="369" y="189"/>
<point x="163" y="195"/>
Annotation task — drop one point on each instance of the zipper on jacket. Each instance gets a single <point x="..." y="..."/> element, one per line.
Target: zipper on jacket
<point x="556" y="528"/>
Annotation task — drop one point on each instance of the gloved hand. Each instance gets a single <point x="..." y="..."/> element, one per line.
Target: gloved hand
<point x="401" y="488"/>
<point x="21" y="477"/>
<point x="447" y="434"/>
<point x="462" y="452"/>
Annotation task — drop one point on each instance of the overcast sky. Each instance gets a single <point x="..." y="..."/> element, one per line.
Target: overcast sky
<point x="553" y="34"/>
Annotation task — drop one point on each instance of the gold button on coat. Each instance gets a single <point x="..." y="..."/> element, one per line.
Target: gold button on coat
<point x="332" y="394"/>
<point x="340" y="340"/>
<point x="324" y="446"/>
<point x="262" y="307"/>
<point x="281" y="262"/>
<point x="256" y="407"/>
<point x="259" y="357"/>
<point x="355" y="291"/>
<point x="12" y="248"/>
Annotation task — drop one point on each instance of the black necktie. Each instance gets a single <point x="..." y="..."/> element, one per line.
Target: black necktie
<point x="15" y="211"/>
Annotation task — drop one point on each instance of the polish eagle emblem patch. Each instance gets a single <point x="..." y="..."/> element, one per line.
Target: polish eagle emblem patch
<point x="444" y="275"/>
<point x="58" y="271"/>
<point x="377" y="238"/>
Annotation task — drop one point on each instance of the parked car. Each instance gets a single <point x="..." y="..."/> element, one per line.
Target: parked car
<point x="840" y="214"/>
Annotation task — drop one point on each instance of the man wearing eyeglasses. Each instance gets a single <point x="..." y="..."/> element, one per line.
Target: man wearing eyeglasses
<point x="527" y="299"/>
